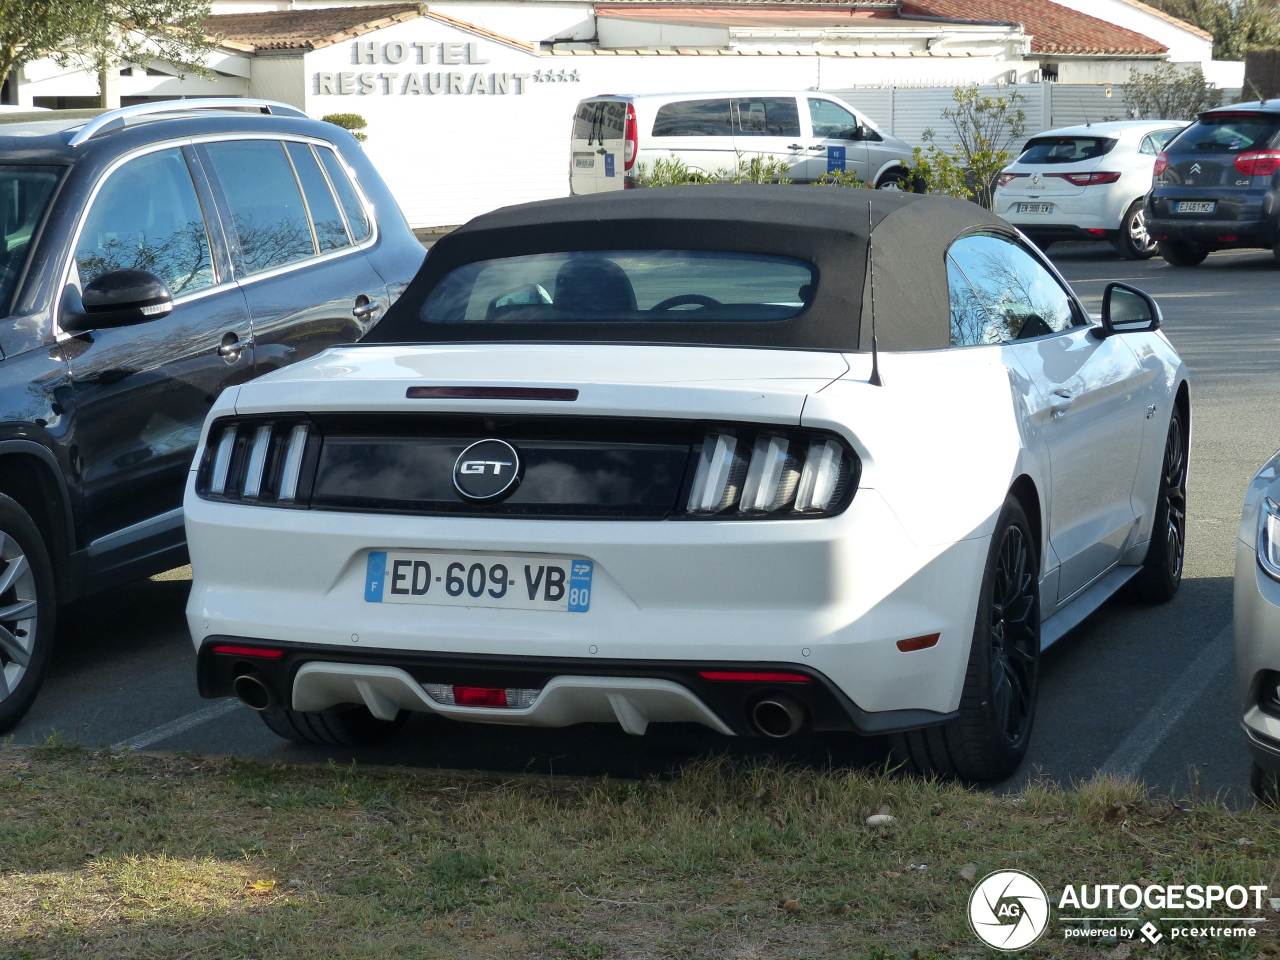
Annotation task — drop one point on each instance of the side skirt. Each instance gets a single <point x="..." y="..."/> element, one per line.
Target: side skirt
<point x="1084" y="603"/>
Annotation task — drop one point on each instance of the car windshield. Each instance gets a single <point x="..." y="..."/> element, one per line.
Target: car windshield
<point x="24" y="194"/>
<point x="1064" y="149"/>
<point x="1228" y="134"/>
<point x="636" y="286"/>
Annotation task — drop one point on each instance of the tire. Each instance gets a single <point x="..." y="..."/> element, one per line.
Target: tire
<point x="27" y="609"/>
<point x="896" y="179"/>
<point x="1265" y="786"/>
<point x="345" y="726"/>
<point x="1275" y="251"/>
<point x="1133" y="242"/>
<point x="997" y="705"/>
<point x="1182" y="254"/>
<point x="1161" y="572"/>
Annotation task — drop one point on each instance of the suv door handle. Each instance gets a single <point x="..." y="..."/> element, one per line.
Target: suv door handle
<point x="231" y="348"/>
<point x="364" y="308"/>
<point x="818" y="146"/>
<point x="795" y="146"/>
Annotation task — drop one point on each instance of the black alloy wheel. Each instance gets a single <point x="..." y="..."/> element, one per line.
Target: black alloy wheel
<point x="1133" y="242"/>
<point x="1178" y="254"/>
<point x="26" y="612"/>
<point x="1161" y="572"/>
<point x="997" y="706"/>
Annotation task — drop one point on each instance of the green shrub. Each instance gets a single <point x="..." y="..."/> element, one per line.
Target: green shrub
<point x="349" y="121"/>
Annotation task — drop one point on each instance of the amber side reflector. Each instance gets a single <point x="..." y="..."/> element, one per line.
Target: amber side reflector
<point x="491" y="393"/>
<point x="234" y="651"/>
<point x="751" y="677"/>
<point x="918" y="643"/>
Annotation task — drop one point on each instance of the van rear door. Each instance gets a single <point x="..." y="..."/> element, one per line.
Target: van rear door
<point x="596" y="155"/>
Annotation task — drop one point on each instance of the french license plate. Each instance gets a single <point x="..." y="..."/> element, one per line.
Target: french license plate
<point x="584" y="163"/>
<point x="1035" y="208"/>
<point x="478" y="580"/>
<point x="1194" y="206"/>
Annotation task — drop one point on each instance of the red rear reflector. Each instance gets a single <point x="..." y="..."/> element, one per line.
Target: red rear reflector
<point x="1097" y="232"/>
<point x="491" y="393"/>
<point x="750" y="677"/>
<point x="480" y="696"/>
<point x="918" y="643"/>
<point x="234" y="651"/>
<point x="1229" y="239"/>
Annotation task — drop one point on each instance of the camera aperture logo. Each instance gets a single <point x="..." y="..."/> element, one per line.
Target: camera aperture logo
<point x="1008" y="910"/>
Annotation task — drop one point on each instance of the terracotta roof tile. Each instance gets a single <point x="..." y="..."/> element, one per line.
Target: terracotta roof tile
<point x="1052" y="28"/>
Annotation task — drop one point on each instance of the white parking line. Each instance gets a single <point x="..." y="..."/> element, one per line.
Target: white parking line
<point x="1144" y="739"/>
<point x="156" y="734"/>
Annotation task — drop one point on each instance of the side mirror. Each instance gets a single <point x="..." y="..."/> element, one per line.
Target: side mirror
<point x="1127" y="309"/>
<point x="120" y="298"/>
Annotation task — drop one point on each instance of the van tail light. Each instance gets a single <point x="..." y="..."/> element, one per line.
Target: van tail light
<point x="1258" y="163"/>
<point x="1087" y="179"/>
<point x="632" y="137"/>
<point x="1007" y="178"/>
<point x="1162" y="164"/>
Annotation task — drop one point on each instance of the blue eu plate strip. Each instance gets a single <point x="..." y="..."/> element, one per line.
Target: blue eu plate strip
<point x="579" y="586"/>
<point x="376" y="574"/>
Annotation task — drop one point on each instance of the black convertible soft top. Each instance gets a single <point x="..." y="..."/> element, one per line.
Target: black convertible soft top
<point x="826" y="226"/>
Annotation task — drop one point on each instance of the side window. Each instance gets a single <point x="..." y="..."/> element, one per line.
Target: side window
<point x="693" y="118"/>
<point x="1022" y="298"/>
<point x="352" y="208"/>
<point x="331" y="233"/>
<point x="971" y="325"/>
<point x="1148" y="145"/>
<point x="832" y="120"/>
<point x="767" y="117"/>
<point x="147" y="217"/>
<point x="266" y="206"/>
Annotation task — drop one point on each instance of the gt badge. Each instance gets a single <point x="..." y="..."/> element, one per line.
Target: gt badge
<point x="487" y="470"/>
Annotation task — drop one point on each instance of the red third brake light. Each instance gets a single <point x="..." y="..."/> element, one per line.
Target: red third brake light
<point x="480" y="696"/>
<point x="1162" y="164"/>
<point x="632" y="137"/>
<point x="754" y="677"/>
<point x="1260" y="163"/>
<point x="1087" y="179"/>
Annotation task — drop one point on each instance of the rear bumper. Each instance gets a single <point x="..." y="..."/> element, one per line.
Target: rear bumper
<point x="632" y="693"/>
<point x="1216" y="234"/>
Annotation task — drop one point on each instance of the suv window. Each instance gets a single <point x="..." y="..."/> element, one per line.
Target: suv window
<point x="693" y="118"/>
<point x="269" y="218"/>
<point x="331" y="233"/>
<point x="146" y="217"/>
<point x="1022" y="299"/>
<point x="767" y="117"/>
<point x="24" y="193"/>
<point x="1064" y="149"/>
<point x="1229" y="134"/>
<point x="357" y="220"/>
<point x="832" y="120"/>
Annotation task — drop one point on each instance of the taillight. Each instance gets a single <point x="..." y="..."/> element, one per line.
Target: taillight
<point x="255" y="461"/>
<point x="1087" y="179"/>
<point x="1007" y="178"/>
<point x="1260" y="162"/>
<point x="632" y="137"/>
<point x="1162" y="164"/>
<point x="771" y="475"/>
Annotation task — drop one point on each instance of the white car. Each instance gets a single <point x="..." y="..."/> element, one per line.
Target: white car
<point x="1256" y="621"/>
<point x="700" y="454"/>
<point x="1086" y="183"/>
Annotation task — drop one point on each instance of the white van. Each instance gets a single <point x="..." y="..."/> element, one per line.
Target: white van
<point x="813" y="133"/>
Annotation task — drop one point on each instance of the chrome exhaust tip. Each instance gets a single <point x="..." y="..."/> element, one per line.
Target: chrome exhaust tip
<point x="777" y="717"/>
<point x="253" y="691"/>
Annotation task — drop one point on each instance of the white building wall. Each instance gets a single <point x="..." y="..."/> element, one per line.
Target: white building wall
<point x="448" y="156"/>
<point x="1184" y="45"/>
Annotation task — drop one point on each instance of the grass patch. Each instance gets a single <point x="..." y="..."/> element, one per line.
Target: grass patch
<point x="129" y="856"/>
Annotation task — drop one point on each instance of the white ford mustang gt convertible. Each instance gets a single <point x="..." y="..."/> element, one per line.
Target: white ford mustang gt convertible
<point x="761" y="458"/>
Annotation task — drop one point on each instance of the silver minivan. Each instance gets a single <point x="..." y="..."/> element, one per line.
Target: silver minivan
<point x="812" y="133"/>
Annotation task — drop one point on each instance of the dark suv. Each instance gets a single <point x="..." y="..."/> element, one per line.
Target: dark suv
<point x="149" y="258"/>
<point x="1217" y="183"/>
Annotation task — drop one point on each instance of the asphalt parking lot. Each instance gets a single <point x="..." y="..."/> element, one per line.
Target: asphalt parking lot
<point x="1140" y="690"/>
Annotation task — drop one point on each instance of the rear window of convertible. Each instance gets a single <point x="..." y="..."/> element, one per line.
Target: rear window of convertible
<point x="636" y="286"/>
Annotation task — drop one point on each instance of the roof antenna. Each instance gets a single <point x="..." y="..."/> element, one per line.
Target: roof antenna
<point x="874" y="379"/>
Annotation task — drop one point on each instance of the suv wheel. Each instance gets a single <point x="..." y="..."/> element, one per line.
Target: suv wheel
<point x="1133" y="242"/>
<point x="1182" y="254"/>
<point x="26" y="612"/>
<point x="997" y="704"/>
